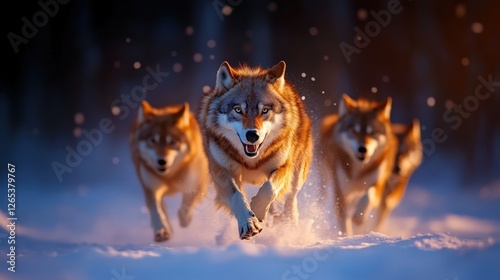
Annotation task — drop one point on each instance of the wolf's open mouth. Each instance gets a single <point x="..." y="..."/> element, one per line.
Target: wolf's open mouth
<point x="162" y="169"/>
<point x="251" y="150"/>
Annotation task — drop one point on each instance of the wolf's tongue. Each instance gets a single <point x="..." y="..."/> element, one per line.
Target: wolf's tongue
<point x="251" y="148"/>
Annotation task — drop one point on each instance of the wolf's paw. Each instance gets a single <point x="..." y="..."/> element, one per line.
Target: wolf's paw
<point x="185" y="217"/>
<point x="250" y="228"/>
<point x="162" y="235"/>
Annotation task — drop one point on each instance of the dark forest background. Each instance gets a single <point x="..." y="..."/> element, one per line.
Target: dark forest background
<point x="428" y="59"/>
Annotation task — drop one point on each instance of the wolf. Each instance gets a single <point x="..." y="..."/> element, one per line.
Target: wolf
<point x="408" y="158"/>
<point x="359" y="149"/>
<point x="256" y="131"/>
<point x="167" y="152"/>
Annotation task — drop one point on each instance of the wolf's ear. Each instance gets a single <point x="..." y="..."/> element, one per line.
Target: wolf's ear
<point x="414" y="131"/>
<point x="144" y="111"/>
<point x="184" y="114"/>
<point x="386" y="108"/>
<point x="226" y="77"/>
<point x="276" y="74"/>
<point x="346" y="103"/>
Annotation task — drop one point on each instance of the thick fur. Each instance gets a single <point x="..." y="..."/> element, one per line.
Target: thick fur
<point x="256" y="131"/>
<point x="167" y="152"/>
<point x="359" y="149"/>
<point x="408" y="158"/>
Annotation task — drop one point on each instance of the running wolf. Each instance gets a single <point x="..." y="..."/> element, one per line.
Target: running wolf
<point x="359" y="148"/>
<point x="168" y="156"/>
<point x="256" y="131"/>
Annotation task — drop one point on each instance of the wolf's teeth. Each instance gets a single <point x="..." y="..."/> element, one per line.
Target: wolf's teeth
<point x="251" y="148"/>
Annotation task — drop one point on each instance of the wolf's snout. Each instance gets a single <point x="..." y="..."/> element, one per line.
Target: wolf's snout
<point x="162" y="162"/>
<point x="362" y="149"/>
<point x="252" y="136"/>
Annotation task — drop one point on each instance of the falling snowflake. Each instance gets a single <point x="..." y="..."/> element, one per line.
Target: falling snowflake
<point x="211" y="44"/>
<point x="197" y="57"/>
<point x="362" y="14"/>
<point x="77" y="132"/>
<point x="272" y="6"/>
<point x="313" y="31"/>
<point x="115" y="110"/>
<point x="431" y="101"/>
<point x="79" y="118"/>
<point x="477" y="27"/>
<point x="189" y="30"/>
<point x="465" y="61"/>
<point x="227" y="10"/>
<point x="460" y="10"/>
<point x="449" y="104"/>
<point x="177" y="67"/>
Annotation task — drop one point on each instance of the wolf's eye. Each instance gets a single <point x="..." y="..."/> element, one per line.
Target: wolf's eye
<point x="173" y="143"/>
<point x="265" y="110"/>
<point x="152" y="140"/>
<point x="370" y="130"/>
<point x="238" y="110"/>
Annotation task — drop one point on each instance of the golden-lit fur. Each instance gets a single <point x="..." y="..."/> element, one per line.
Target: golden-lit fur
<point x="359" y="149"/>
<point x="168" y="156"/>
<point x="256" y="131"/>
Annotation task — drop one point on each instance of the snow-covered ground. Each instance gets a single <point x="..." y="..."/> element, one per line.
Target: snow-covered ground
<point x="103" y="232"/>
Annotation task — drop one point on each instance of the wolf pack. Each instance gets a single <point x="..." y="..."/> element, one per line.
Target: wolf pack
<point x="253" y="129"/>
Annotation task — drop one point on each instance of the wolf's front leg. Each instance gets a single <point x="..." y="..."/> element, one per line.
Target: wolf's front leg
<point x="362" y="210"/>
<point x="344" y="224"/>
<point x="189" y="200"/>
<point x="248" y="224"/>
<point x="229" y="194"/>
<point x="159" y="216"/>
<point x="262" y="200"/>
<point x="267" y="193"/>
<point x="290" y="210"/>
